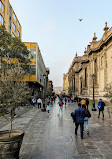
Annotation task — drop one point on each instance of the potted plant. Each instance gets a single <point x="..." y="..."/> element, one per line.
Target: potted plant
<point x="14" y="91"/>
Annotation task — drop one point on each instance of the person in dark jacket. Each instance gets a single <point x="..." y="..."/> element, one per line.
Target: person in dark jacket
<point x="101" y="106"/>
<point x="79" y="114"/>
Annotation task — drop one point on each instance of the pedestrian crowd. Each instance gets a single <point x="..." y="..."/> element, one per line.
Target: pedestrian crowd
<point x="82" y="114"/>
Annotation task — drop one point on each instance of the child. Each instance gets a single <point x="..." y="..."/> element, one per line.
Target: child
<point x="48" y="107"/>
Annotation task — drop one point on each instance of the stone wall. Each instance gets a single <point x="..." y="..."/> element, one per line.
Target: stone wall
<point x="97" y="60"/>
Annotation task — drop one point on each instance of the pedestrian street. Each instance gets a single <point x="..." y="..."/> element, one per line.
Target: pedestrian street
<point x="49" y="136"/>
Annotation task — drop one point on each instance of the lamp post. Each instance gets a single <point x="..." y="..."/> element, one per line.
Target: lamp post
<point x="44" y="90"/>
<point x="93" y="109"/>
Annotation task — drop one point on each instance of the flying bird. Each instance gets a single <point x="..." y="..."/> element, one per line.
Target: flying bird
<point x="80" y="20"/>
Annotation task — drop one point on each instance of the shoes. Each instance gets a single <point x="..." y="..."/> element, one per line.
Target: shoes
<point x="98" y="116"/>
<point x="87" y="132"/>
<point x="81" y="137"/>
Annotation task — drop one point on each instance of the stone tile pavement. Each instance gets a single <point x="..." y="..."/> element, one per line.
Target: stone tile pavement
<point x="49" y="136"/>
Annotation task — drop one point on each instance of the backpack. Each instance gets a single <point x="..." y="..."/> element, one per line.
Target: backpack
<point x="99" y="106"/>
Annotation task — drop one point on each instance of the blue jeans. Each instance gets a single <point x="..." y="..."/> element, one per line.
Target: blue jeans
<point x="86" y="122"/>
<point x="60" y="109"/>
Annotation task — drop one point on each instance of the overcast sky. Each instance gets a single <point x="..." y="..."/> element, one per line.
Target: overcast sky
<point x="54" y="25"/>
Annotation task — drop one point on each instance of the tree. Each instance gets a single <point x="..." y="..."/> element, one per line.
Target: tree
<point x="14" y="64"/>
<point x="13" y="92"/>
<point x="13" y="48"/>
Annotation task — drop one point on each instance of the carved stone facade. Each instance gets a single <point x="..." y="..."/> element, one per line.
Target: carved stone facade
<point x="65" y="84"/>
<point x="97" y="60"/>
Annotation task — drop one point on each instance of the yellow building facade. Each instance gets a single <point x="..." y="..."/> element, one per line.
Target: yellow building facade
<point x="37" y="66"/>
<point x="9" y="19"/>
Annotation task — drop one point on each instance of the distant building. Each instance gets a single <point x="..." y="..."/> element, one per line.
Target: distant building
<point x="9" y="19"/>
<point x="58" y="90"/>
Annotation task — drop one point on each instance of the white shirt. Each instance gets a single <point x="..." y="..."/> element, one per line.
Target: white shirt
<point x="39" y="101"/>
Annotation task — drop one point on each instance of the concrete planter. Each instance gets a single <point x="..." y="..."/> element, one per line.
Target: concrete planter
<point x="10" y="146"/>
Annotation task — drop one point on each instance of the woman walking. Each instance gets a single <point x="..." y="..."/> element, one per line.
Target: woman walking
<point x="87" y="115"/>
<point x="60" y="106"/>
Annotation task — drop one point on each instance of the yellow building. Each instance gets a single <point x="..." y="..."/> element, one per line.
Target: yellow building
<point x="9" y="19"/>
<point x="37" y="68"/>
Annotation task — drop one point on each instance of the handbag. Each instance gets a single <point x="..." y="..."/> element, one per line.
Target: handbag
<point x="73" y="117"/>
<point x="88" y="114"/>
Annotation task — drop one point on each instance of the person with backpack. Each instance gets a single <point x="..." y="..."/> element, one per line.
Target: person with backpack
<point x="101" y="106"/>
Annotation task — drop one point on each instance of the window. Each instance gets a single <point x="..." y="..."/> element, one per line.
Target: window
<point x="14" y="27"/>
<point x="1" y="19"/>
<point x="33" y="70"/>
<point x="2" y="6"/>
<point x="18" y="24"/>
<point x="18" y="33"/>
<point x="14" y="16"/>
<point x="13" y="35"/>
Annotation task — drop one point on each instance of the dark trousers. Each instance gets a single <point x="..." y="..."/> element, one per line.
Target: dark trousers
<point x="39" y="105"/>
<point x="102" y="113"/>
<point x="81" y="128"/>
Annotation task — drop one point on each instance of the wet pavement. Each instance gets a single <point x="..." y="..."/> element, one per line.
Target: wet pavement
<point x="49" y="136"/>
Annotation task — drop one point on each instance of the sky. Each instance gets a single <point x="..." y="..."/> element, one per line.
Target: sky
<point x="55" y="26"/>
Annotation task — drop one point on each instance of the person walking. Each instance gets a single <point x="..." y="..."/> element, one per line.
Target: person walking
<point x="87" y="116"/>
<point x="39" y="102"/>
<point x="48" y="107"/>
<point x="101" y="106"/>
<point x="60" y="106"/>
<point x="79" y="115"/>
<point x="83" y="102"/>
<point x="65" y="100"/>
<point x="68" y="99"/>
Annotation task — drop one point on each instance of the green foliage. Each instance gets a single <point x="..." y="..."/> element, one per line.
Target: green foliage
<point x="13" y="91"/>
<point x="13" y="48"/>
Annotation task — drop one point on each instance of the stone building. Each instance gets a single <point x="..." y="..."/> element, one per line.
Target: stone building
<point x="97" y="62"/>
<point x="65" y="84"/>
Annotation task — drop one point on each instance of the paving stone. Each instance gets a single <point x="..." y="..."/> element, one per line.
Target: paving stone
<point x="49" y="136"/>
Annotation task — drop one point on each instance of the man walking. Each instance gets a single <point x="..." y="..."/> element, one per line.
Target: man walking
<point x="101" y="106"/>
<point x="39" y="102"/>
<point x="79" y="114"/>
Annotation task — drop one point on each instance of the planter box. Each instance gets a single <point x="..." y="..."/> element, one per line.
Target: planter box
<point x="10" y="146"/>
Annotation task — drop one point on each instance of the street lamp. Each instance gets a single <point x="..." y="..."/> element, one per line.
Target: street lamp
<point x="93" y="109"/>
<point x="44" y="89"/>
